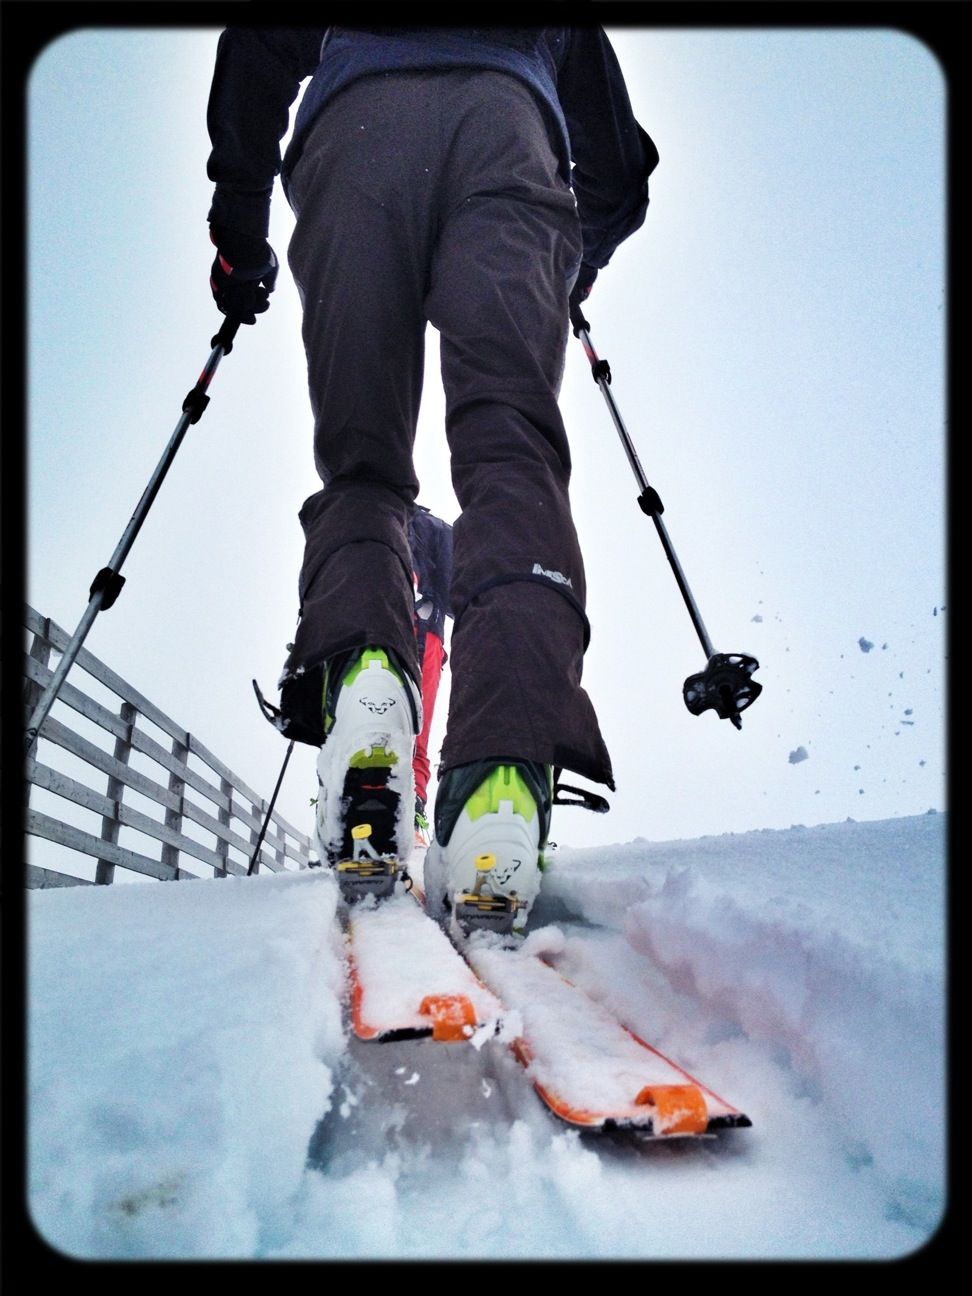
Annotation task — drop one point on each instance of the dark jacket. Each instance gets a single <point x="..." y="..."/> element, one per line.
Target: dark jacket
<point x="572" y="70"/>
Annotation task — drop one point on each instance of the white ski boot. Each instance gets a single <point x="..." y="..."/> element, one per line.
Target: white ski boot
<point x="366" y="799"/>
<point x="484" y="865"/>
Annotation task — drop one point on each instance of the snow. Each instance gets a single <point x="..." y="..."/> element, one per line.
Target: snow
<point x="192" y="1094"/>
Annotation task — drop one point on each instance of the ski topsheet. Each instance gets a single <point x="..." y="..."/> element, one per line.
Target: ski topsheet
<point x="589" y="1069"/>
<point x="409" y="980"/>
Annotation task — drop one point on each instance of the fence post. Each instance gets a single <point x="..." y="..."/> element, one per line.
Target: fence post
<point x="40" y="651"/>
<point x="258" y="808"/>
<point x="110" y="825"/>
<point x="225" y="816"/>
<point x="173" y="818"/>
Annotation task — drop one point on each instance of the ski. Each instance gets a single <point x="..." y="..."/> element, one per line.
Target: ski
<point x="591" y="1070"/>
<point x="409" y="980"/>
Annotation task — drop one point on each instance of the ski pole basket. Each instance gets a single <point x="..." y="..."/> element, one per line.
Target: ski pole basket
<point x="725" y="686"/>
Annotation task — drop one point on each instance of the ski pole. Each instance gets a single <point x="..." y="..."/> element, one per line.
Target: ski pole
<point x="266" y="818"/>
<point x="726" y="684"/>
<point x="108" y="583"/>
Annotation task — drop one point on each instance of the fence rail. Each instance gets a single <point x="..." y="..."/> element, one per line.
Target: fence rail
<point x="205" y="796"/>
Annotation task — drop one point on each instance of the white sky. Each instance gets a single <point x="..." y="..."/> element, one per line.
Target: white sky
<point x="777" y="337"/>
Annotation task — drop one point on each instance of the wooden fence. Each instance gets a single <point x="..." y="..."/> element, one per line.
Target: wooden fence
<point x="199" y="819"/>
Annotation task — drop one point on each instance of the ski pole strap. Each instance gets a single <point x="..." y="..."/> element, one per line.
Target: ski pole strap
<point x="581" y="797"/>
<point x="272" y="713"/>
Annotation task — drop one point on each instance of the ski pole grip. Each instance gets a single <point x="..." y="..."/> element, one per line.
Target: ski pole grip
<point x="228" y="331"/>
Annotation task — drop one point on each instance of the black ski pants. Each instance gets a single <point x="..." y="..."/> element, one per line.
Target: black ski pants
<point x="435" y="196"/>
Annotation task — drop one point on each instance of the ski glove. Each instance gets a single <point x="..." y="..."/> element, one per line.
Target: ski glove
<point x="244" y="274"/>
<point x="579" y="293"/>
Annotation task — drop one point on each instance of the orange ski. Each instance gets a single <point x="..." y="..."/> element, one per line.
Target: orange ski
<point x="588" y="1068"/>
<point x="408" y="980"/>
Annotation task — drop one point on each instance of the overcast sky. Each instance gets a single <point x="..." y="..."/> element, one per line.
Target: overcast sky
<point x="776" y="332"/>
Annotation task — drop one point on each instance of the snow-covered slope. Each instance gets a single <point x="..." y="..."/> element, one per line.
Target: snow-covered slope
<point x="192" y="1093"/>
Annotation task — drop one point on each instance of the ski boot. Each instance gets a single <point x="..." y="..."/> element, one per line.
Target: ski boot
<point x="483" y="868"/>
<point x="365" y="806"/>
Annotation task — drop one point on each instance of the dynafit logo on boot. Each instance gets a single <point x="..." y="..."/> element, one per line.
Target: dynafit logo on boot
<point x="376" y="706"/>
<point x="504" y="876"/>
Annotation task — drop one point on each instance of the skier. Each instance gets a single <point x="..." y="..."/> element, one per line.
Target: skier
<point x="430" y="541"/>
<point x="430" y="174"/>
